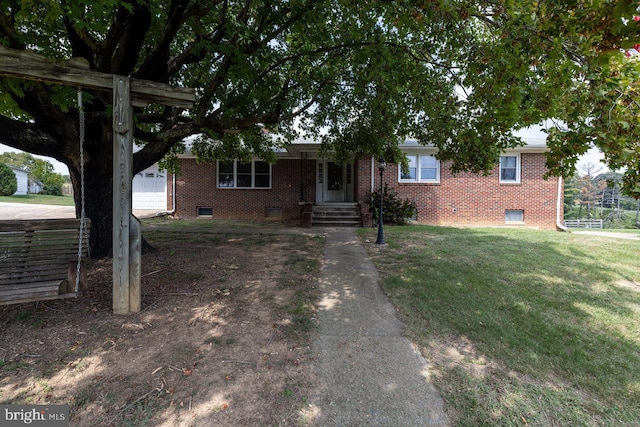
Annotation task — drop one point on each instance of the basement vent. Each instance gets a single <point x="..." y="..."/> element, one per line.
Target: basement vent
<point x="513" y="216"/>
<point x="204" y="212"/>
<point x="273" y="213"/>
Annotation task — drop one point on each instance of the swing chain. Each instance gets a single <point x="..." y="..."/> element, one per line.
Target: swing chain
<point x="81" y="132"/>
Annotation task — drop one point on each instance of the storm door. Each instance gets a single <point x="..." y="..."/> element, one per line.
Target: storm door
<point x="334" y="182"/>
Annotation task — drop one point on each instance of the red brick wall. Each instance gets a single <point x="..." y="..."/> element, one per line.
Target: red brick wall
<point x="473" y="199"/>
<point x="196" y="187"/>
<point x="464" y="199"/>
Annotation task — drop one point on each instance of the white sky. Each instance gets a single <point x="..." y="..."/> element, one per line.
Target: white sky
<point x="60" y="168"/>
<point x="593" y="156"/>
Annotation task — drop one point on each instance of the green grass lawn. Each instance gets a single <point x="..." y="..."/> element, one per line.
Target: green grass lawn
<point x="39" y="199"/>
<point x="610" y="230"/>
<point x="521" y="327"/>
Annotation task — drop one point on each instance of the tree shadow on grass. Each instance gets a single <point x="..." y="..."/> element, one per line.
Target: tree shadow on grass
<point x="547" y="306"/>
<point x="216" y="343"/>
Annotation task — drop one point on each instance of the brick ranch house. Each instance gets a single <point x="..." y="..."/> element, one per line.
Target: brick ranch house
<point x="515" y="193"/>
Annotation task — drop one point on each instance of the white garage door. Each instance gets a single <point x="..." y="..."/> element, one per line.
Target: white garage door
<point x="149" y="189"/>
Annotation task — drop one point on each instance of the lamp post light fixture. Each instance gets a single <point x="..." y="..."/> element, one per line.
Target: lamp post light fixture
<point x="382" y="165"/>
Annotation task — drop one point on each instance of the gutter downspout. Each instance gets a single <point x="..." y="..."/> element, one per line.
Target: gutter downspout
<point x="173" y="198"/>
<point x="559" y="224"/>
<point x="173" y="194"/>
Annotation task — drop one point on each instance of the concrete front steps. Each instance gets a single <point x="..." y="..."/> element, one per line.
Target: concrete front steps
<point x="336" y="215"/>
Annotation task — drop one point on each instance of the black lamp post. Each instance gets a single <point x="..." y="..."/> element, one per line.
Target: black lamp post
<point x="382" y="165"/>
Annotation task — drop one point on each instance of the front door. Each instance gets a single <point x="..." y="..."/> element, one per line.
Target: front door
<point x="334" y="182"/>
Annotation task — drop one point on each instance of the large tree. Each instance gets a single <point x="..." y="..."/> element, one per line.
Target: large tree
<point x="361" y="75"/>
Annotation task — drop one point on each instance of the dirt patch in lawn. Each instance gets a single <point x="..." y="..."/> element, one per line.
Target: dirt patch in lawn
<point x="223" y="337"/>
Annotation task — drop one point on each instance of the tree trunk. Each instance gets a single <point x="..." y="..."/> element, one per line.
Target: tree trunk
<point x="98" y="195"/>
<point x="98" y="190"/>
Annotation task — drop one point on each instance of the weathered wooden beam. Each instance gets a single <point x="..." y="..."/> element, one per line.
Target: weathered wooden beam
<point x="28" y="65"/>
<point x="122" y="176"/>
<point x="135" y="264"/>
<point x="127" y="92"/>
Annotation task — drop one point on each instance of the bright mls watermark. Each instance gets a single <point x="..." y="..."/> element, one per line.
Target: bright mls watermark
<point x="34" y="415"/>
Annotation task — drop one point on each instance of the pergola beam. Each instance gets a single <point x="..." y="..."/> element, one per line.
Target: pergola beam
<point x="30" y="66"/>
<point x="127" y="92"/>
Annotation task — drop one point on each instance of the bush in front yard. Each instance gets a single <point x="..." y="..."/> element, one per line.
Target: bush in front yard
<point x="395" y="211"/>
<point x="8" y="181"/>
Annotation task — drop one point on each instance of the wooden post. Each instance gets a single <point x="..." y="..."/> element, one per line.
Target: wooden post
<point x="122" y="176"/>
<point x="135" y="264"/>
<point x="23" y="64"/>
<point x="71" y="276"/>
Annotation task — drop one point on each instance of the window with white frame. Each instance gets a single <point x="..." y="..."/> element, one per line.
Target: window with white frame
<point x="422" y="168"/>
<point x="510" y="168"/>
<point x="236" y="174"/>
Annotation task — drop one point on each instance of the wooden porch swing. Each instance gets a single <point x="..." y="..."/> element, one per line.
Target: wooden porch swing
<point x="42" y="260"/>
<point x="35" y="283"/>
<point x="45" y="259"/>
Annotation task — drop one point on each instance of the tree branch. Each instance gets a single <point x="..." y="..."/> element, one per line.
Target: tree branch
<point x="156" y="63"/>
<point x="155" y="118"/>
<point x="129" y="44"/>
<point x="302" y="109"/>
<point x="159" y="144"/>
<point x="28" y="137"/>
<point x="9" y="33"/>
<point x="189" y="55"/>
<point x="210" y="90"/>
<point x="103" y="62"/>
<point x="82" y="44"/>
<point x="36" y="101"/>
<point x="424" y="59"/>
<point x="498" y="26"/>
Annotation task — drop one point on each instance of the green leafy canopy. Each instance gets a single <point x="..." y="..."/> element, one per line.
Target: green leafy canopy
<point x="461" y="75"/>
<point x="359" y="76"/>
<point x="8" y="181"/>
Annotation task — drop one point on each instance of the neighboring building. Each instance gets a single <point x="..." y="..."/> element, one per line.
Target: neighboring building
<point x="515" y="193"/>
<point x="22" y="176"/>
<point x="35" y="187"/>
<point x="149" y="189"/>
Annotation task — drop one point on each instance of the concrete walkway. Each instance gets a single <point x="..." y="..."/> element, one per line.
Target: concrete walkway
<point x="369" y="374"/>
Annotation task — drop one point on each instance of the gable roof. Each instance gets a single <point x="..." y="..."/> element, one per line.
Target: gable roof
<point x="533" y="137"/>
<point x="17" y="169"/>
